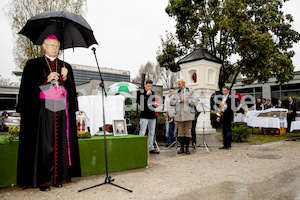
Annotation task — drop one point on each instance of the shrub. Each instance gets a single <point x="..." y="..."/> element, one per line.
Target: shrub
<point x="238" y="124"/>
<point x="240" y="131"/>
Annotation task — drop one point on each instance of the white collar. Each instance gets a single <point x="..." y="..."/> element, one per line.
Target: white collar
<point x="52" y="59"/>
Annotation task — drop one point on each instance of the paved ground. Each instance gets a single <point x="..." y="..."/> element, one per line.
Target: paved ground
<point x="269" y="171"/>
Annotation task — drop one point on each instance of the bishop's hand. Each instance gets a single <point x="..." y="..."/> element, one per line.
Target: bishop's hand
<point x="64" y="73"/>
<point x="52" y="76"/>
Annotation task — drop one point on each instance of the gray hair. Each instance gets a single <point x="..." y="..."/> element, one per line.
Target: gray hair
<point x="180" y="80"/>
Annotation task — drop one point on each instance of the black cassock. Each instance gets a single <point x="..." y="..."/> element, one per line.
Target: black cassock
<point x="48" y="146"/>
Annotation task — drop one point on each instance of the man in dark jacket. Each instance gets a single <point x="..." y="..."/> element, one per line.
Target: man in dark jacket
<point x="146" y="99"/>
<point x="292" y="108"/>
<point x="226" y="118"/>
<point x="48" y="146"/>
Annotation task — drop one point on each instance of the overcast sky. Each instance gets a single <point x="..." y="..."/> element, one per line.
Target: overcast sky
<point x="128" y="34"/>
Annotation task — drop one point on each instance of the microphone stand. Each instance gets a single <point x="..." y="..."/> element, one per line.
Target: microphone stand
<point x="137" y="129"/>
<point x="108" y="179"/>
<point x="141" y="89"/>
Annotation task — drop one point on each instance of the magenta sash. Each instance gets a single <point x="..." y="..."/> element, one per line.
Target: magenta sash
<point x="59" y="93"/>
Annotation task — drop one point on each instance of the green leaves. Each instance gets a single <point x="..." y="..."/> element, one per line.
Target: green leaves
<point x="168" y="54"/>
<point x="255" y="30"/>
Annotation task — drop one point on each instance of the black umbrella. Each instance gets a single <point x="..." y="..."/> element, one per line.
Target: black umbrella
<point x="72" y="30"/>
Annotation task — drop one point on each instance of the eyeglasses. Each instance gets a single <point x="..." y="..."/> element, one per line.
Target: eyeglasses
<point x="53" y="45"/>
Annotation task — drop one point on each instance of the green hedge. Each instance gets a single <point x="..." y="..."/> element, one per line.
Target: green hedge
<point x="240" y="131"/>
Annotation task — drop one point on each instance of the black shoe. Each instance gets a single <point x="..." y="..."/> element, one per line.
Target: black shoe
<point x="194" y="145"/>
<point x="57" y="185"/>
<point x="44" y="188"/>
<point x="187" y="151"/>
<point x="223" y="147"/>
<point x="181" y="150"/>
<point x="228" y="148"/>
<point x="154" y="152"/>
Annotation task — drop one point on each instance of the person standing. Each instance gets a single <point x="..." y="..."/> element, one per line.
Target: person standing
<point x="292" y="109"/>
<point x="146" y="99"/>
<point x="279" y="104"/>
<point x="170" y="119"/>
<point x="48" y="152"/>
<point x="226" y="118"/>
<point x="194" y="124"/>
<point x="264" y="104"/>
<point x="269" y="104"/>
<point x="258" y="105"/>
<point x="184" y="101"/>
<point x="239" y="115"/>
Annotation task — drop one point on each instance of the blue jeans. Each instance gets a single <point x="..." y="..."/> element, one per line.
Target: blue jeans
<point x="227" y="134"/>
<point x="151" y="130"/>
<point x="171" y="138"/>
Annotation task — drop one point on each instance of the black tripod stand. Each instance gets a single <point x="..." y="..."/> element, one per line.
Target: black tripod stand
<point x="108" y="179"/>
<point x="204" y="143"/>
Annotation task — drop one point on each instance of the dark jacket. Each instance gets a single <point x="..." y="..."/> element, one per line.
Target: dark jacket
<point x="292" y="107"/>
<point x="279" y="106"/>
<point x="146" y="102"/>
<point x="227" y="116"/>
<point x="258" y="106"/>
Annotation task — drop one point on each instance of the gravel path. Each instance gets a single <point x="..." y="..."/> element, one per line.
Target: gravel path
<point x="269" y="171"/>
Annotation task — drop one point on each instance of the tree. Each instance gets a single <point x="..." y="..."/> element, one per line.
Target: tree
<point x="168" y="78"/>
<point x="151" y="72"/>
<point x="158" y="75"/>
<point x="19" y="11"/>
<point x="169" y="52"/>
<point x="256" y="31"/>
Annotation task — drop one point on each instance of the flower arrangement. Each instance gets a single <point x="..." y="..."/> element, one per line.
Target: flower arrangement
<point x="84" y="135"/>
<point x="13" y="133"/>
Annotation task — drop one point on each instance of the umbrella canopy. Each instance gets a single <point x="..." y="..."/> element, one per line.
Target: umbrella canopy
<point x="123" y="87"/>
<point x="125" y="94"/>
<point x="72" y="30"/>
<point x="238" y="95"/>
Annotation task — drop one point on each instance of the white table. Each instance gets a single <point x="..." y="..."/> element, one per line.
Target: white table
<point x="253" y="120"/>
<point x="297" y="114"/>
<point x="92" y="107"/>
<point x="295" y="125"/>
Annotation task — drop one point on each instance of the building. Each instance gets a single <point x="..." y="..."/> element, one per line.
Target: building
<point x="270" y="90"/>
<point x="8" y="97"/>
<point x="83" y="74"/>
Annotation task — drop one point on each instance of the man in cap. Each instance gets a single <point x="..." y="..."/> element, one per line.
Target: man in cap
<point x="48" y="145"/>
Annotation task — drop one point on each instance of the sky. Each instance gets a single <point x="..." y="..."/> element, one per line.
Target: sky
<point x="128" y="35"/>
